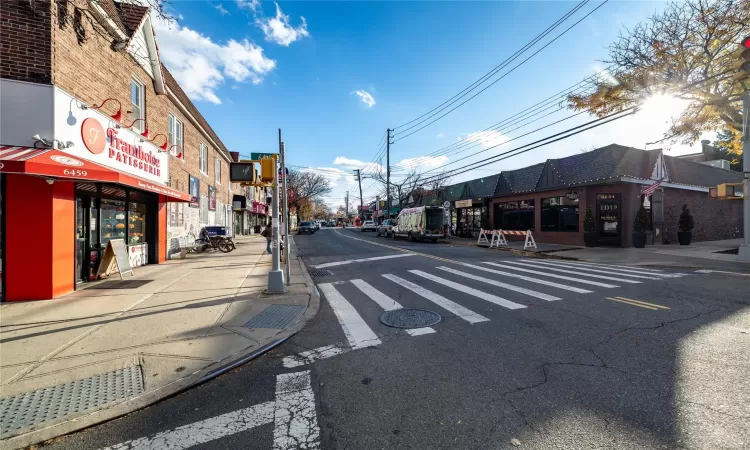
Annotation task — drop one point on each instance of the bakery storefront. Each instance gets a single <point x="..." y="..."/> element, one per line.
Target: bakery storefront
<point x="61" y="206"/>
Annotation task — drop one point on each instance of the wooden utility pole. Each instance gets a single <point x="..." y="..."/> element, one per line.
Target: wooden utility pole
<point x="388" y="173"/>
<point x="359" y="181"/>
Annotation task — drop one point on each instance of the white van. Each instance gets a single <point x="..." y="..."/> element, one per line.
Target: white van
<point x="424" y="222"/>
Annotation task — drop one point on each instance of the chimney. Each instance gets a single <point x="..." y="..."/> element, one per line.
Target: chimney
<point x="707" y="148"/>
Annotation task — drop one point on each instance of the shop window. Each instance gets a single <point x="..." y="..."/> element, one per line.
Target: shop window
<point x="203" y="157"/>
<point x="515" y="215"/>
<point x="137" y="100"/>
<point x="137" y="223"/>
<point x="217" y="170"/>
<point x="559" y="214"/>
<point x="174" y="132"/>
<point x="113" y="220"/>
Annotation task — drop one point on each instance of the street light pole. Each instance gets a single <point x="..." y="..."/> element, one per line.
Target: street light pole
<point x="286" y="214"/>
<point x="744" y="253"/>
<point x="275" y="276"/>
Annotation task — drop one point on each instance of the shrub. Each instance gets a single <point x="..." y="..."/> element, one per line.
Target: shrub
<point x="686" y="222"/>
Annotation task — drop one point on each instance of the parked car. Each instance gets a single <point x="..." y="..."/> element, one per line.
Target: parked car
<point x="306" y="227"/>
<point x="316" y="224"/>
<point x="332" y="223"/>
<point x="385" y="228"/>
<point x="369" y="225"/>
<point x="422" y="223"/>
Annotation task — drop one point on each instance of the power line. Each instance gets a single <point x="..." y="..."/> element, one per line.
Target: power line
<point x="499" y="66"/>
<point x="504" y="75"/>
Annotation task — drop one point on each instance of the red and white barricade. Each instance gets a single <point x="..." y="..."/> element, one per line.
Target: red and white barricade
<point x="500" y="240"/>
<point x="483" y="236"/>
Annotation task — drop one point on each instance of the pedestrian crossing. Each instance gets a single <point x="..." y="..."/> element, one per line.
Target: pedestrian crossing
<point x="525" y="281"/>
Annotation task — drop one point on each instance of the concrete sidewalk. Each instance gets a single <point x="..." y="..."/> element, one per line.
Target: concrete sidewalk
<point x="107" y="350"/>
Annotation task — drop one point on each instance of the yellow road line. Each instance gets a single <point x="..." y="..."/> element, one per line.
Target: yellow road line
<point x="399" y="249"/>
<point x="644" y="303"/>
<point x="631" y="303"/>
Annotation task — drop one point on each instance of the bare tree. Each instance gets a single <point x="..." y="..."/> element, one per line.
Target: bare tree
<point x="401" y="186"/>
<point x="303" y="188"/>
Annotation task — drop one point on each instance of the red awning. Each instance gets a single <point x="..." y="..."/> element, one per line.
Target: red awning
<point x="54" y="163"/>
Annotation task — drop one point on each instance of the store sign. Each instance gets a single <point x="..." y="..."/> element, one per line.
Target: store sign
<point x="195" y="189"/>
<point x="96" y="138"/>
<point x="463" y="203"/>
<point x="211" y="198"/>
<point x="572" y="195"/>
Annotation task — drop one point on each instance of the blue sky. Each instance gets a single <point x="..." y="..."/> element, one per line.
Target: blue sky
<point x="252" y="68"/>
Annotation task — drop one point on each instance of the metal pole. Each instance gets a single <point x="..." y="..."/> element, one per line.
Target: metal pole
<point x="286" y="214"/>
<point x="359" y="180"/>
<point x="388" y="173"/>
<point x="744" y="253"/>
<point x="275" y="276"/>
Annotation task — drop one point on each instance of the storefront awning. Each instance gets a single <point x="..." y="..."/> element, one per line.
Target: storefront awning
<point x="56" y="164"/>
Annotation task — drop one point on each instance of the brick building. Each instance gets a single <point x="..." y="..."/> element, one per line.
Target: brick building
<point x="98" y="142"/>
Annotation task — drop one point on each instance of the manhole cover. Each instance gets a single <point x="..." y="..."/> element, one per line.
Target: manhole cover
<point x="409" y="318"/>
<point x="320" y="273"/>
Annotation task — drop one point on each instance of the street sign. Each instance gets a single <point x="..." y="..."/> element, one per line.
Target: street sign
<point x="446" y="204"/>
<point x="256" y="156"/>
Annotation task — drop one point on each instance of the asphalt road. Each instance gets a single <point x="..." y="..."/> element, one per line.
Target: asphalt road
<point x="552" y="355"/>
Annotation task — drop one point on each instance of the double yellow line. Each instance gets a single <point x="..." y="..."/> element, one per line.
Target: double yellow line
<point x="639" y="303"/>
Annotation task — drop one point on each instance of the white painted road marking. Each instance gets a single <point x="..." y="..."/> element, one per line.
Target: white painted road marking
<point x="574" y="272"/>
<point x="350" y="261"/>
<point x="295" y="421"/>
<point x="355" y="328"/>
<point x="501" y="284"/>
<point x="587" y="263"/>
<point x="471" y="291"/>
<point x="649" y="272"/>
<point x="388" y="304"/>
<point x="310" y="356"/>
<point x="464" y="313"/>
<point x="577" y="280"/>
<point x="618" y="272"/>
<point x="531" y="279"/>
<point x="293" y="414"/>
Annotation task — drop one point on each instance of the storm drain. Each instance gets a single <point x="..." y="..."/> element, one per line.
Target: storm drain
<point x="121" y="284"/>
<point x="276" y="316"/>
<point x="409" y="318"/>
<point x="32" y="408"/>
<point x="320" y="273"/>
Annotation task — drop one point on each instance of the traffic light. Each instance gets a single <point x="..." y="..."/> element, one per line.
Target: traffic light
<point x="267" y="170"/>
<point x="743" y="65"/>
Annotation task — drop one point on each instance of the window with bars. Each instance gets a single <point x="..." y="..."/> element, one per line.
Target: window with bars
<point x="175" y="130"/>
<point x="137" y="100"/>
<point x="203" y="157"/>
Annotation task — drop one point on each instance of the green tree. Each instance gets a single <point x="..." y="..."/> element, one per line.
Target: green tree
<point x="641" y="220"/>
<point x="686" y="222"/>
<point x="687" y="51"/>
<point x="729" y="146"/>
<point x="589" y="226"/>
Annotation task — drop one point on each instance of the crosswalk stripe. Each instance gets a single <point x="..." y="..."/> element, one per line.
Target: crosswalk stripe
<point x="609" y="271"/>
<point x="562" y="277"/>
<point x="356" y="330"/>
<point x="587" y="263"/>
<point x="464" y="313"/>
<point x="471" y="291"/>
<point x="573" y="272"/>
<point x="349" y="261"/>
<point x="310" y="356"/>
<point x="387" y="303"/>
<point x="501" y="284"/>
<point x="649" y="272"/>
<point x="531" y="279"/>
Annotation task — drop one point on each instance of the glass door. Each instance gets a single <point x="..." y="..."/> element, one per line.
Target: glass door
<point x="608" y="215"/>
<point x="80" y="270"/>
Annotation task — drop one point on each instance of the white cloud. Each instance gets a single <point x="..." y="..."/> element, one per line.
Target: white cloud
<point x="201" y="65"/>
<point x="485" y="139"/>
<point x="366" y="98"/>
<point x="440" y="135"/>
<point x="277" y="29"/>
<point x="221" y="9"/>
<point x="357" y="164"/>
<point x="252" y="5"/>
<point x="424" y="162"/>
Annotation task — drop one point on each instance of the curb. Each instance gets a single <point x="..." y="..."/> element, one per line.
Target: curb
<point x="78" y="423"/>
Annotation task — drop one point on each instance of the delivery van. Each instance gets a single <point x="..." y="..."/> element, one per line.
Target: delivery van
<point x="421" y="223"/>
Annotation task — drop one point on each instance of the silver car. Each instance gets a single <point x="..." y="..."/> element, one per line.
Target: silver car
<point x="385" y="228"/>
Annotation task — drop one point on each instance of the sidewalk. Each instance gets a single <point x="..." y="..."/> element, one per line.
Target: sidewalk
<point x="107" y="350"/>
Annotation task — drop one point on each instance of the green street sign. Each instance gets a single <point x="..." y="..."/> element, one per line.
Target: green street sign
<point x="256" y="156"/>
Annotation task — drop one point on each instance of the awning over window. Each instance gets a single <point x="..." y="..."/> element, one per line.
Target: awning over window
<point x="56" y="164"/>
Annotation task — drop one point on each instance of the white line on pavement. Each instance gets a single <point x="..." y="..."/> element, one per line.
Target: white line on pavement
<point x="294" y="418"/>
<point x="649" y="272"/>
<point x="349" y="261"/>
<point x="355" y="328"/>
<point x="387" y="304"/>
<point x="310" y="356"/>
<point x="577" y="280"/>
<point x="573" y="272"/>
<point x="464" y="313"/>
<point x="618" y="272"/>
<point x="587" y="263"/>
<point x="531" y="279"/>
<point x="501" y="284"/>
<point x="471" y="291"/>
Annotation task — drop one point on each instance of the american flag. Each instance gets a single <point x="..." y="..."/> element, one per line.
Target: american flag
<point x="648" y="190"/>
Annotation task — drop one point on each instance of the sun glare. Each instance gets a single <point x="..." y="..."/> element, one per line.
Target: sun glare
<point x="662" y="108"/>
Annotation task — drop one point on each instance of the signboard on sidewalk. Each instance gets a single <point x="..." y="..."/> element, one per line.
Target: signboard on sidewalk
<point x="116" y="254"/>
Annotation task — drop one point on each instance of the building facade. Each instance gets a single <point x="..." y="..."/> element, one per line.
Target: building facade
<point x="97" y="142"/>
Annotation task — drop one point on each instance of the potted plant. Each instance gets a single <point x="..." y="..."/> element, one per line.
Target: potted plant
<point x="589" y="228"/>
<point x="686" y="224"/>
<point x="639" y="228"/>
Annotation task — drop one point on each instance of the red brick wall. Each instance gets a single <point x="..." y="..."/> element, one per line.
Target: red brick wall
<point x="25" y="40"/>
<point x="714" y="219"/>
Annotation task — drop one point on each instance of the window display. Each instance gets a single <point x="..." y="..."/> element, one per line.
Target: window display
<point x="113" y="223"/>
<point x="560" y="214"/>
<point x="137" y="224"/>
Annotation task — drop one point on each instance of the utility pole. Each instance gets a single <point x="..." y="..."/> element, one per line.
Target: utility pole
<point x="359" y="181"/>
<point x="346" y="213"/>
<point x="388" y="173"/>
<point x="286" y="215"/>
<point x="744" y="253"/>
<point x="275" y="276"/>
<point x="377" y="204"/>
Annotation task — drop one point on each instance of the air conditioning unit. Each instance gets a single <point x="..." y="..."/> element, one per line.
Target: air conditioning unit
<point x="720" y="163"/>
